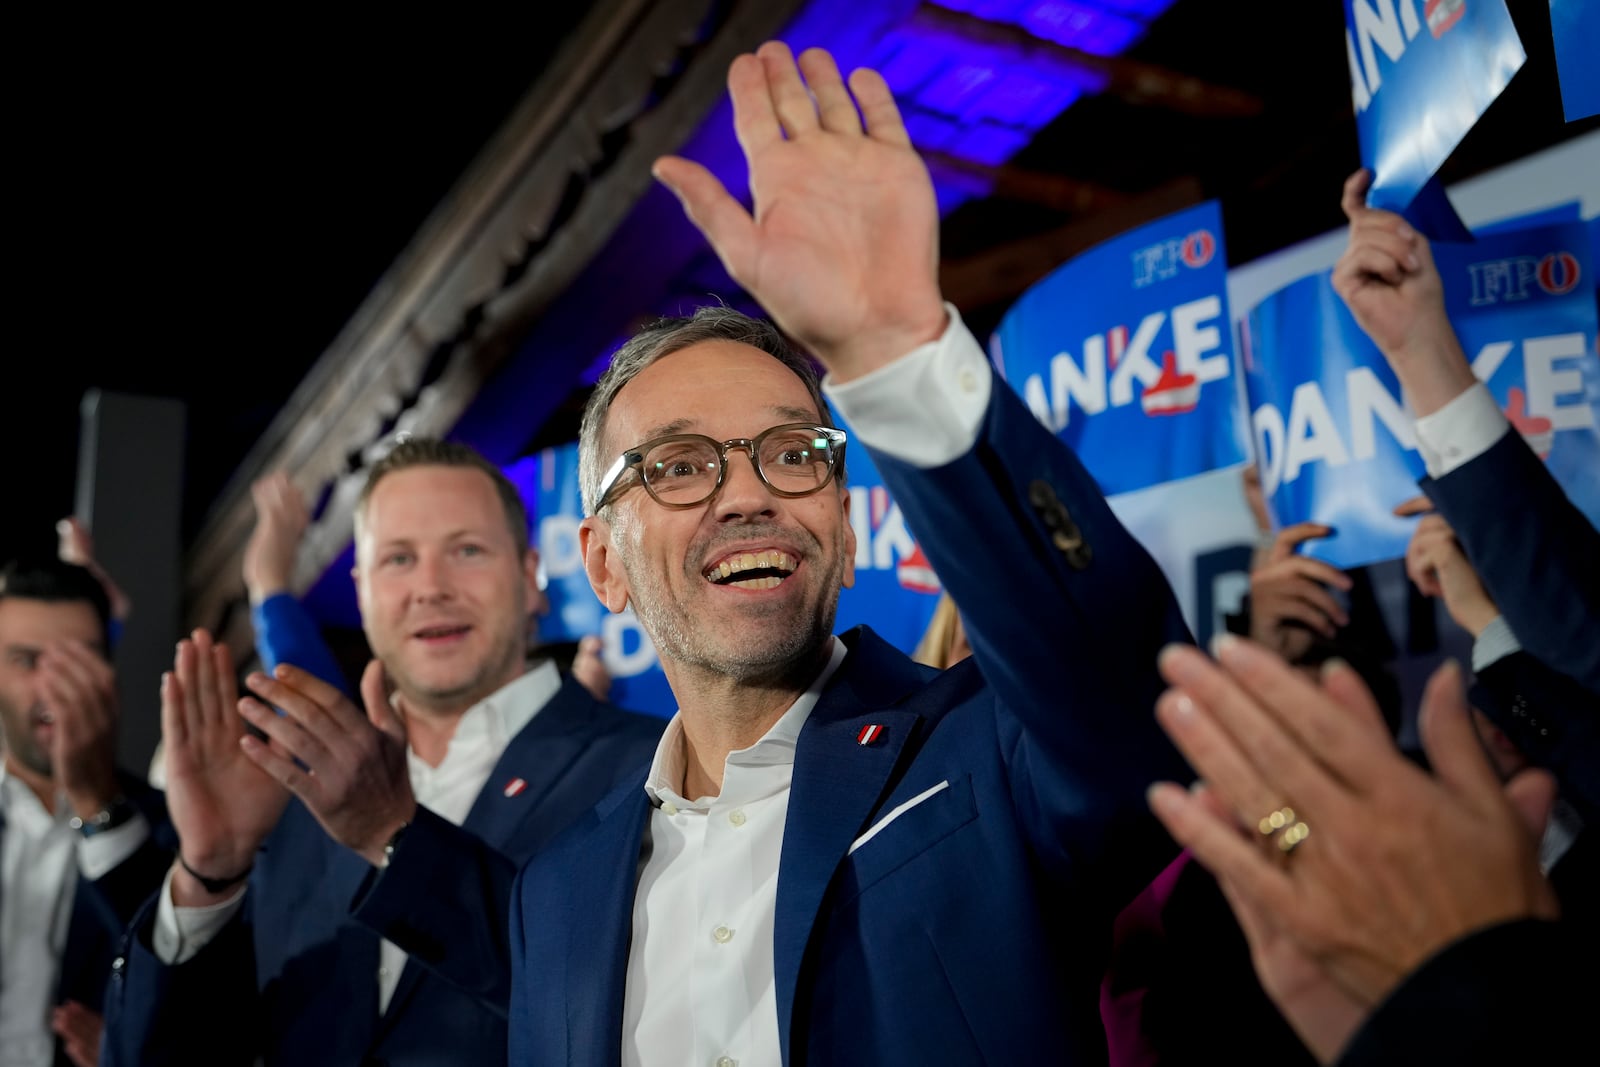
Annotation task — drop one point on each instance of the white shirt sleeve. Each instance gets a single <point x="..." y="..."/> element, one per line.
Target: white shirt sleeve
<point x="181" y="933"/>
<point x="101" y="853"/>
<point x="1495" y="643"/>
<point x="926" y="407"/>
<point x="1461" y="431"/>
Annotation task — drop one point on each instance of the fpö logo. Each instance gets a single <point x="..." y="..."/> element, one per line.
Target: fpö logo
<point x="1507" y="281"/>
<point x="1443" y="14"/>
<point x="1164" y="259"/>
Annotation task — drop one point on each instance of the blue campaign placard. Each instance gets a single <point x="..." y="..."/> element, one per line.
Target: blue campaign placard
<point x="1526" y="305"/>
<point x="895" y="590"/>
<point x="1333" y="440"/>
<point x="575" y="611"/>
<point x="1335" y="443"/>
<point x="1422" y="72"/>
<point x="1575" y="30"/>
<point x="1126" y="353"/>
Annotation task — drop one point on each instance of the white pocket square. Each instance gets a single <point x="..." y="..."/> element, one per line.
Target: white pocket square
<point x="899" y="810"/>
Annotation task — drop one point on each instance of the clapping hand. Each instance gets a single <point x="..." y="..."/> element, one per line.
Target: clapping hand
<point x="347" y="766"/>
<point x="1381" y="863"/>
<point x="281" y="521"/>
<point x="78" y="689"/>
<point x="221" y="804"/>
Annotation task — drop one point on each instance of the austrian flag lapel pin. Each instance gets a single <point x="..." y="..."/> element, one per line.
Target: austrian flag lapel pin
<point x="515" y="786"/>
<point x="870" y="734"/>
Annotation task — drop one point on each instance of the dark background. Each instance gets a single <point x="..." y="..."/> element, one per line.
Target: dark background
<point x="200" y="218"/>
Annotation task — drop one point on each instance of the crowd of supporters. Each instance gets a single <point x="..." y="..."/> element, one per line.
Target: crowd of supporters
<point x="1062" y="834"/>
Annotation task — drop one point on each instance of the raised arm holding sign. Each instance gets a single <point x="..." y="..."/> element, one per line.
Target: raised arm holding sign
<point x="1388" y="281"/>
<point x="1537" y="553"/>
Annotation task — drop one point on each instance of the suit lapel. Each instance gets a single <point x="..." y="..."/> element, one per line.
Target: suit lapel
<point x="597" y="953"/>
<point x="526" y="772"/>
<point x="838" y="784"/>
<point x="531" y="766"/>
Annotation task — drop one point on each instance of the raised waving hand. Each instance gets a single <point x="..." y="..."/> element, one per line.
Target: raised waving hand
<point x="841" y="243"/>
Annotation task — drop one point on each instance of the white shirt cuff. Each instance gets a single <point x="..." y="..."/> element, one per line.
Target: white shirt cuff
<point x="1461" y="431"/>
<point x="181" y="933"/>
<point x="99" y="855"/>
<point x="926" y="407"/>
<point x="1495" y="643"/>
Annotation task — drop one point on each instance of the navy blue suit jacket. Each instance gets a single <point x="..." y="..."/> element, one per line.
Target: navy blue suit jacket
<point x="1539" y="559"/>
<point x="1474" y="1003"/>
<point x="972" y="928"/>
<point x="1537" y="554"/>
<point x="293" y="978"/>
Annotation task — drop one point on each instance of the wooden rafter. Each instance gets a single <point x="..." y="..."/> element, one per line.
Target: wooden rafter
<point x="1055" y="191"/>
<point x="529" y="214"/>
<point x="1145" y="84"/>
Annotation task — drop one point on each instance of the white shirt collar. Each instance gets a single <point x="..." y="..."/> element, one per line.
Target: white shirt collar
<point x="492" y="722"/>
<point x="18" y="799"/>
<point x="776" y="746"/>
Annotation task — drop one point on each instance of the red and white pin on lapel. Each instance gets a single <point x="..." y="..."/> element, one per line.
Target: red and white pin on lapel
<point x="870" y="734"/>
<point x="515" y="786"/>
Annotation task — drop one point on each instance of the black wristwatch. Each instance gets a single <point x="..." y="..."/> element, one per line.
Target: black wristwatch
<point x="117" y="813"/>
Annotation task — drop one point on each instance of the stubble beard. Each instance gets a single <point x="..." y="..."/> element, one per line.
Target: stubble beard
<point x="488" y="678"/>
<point x="23" y="749"/>
<point x="776" y="654"/>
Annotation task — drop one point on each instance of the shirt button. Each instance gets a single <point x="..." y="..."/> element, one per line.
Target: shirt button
<point x="722" y="935"/>
<point x="736" y="816"/>
<point x="968" y="381"/>
<point x="727" y="1061"/>
<point x="669" y="807"/>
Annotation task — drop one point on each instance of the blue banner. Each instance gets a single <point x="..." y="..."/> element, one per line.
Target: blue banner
<point x="895" y="590"/>
<point x="1421" y="75"/>
<point x="575" y="612"/>
<point x="1335" y="443"/>
<point x="1126" y="354"/>
<point x="1575" y="29"/>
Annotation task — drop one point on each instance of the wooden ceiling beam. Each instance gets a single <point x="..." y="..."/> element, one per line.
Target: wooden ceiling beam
<point x="525" y="219"/>
<point x="1139" y="83"/>
<point x="1055" y="191"/>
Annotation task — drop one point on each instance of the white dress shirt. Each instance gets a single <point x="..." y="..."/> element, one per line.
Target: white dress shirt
<point x="700" y="971"/>
<point x="447" y="790"/>
<point x="41" y="859"/>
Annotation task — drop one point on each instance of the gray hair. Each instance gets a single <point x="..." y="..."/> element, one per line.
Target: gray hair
<point x="662" y="338"/>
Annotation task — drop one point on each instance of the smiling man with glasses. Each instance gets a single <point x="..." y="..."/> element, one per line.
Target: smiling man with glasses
<point x="838" y="855"/>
